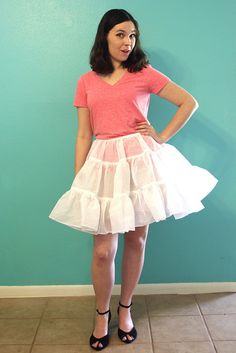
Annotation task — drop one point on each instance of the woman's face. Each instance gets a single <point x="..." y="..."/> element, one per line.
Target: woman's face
<point x="121" y="40"/>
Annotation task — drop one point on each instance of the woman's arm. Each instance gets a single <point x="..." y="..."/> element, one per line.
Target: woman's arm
<point x="187" y="105"/>
<point x="84" y="138"/>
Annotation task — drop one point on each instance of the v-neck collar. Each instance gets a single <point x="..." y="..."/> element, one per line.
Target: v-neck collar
<point x="114" y="84"/>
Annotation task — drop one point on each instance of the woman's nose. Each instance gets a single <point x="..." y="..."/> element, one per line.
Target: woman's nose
<point x="128" y="40"/>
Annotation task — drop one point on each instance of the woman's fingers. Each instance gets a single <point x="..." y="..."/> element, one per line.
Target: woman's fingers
<point x="148" y="129"/>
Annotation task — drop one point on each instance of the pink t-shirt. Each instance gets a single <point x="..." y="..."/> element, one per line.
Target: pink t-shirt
<point x="116" y="109"/>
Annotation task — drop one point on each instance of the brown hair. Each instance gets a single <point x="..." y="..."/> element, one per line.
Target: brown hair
<point x="100" y="60"/>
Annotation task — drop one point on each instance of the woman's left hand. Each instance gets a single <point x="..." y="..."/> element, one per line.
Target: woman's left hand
<point x="147" y="129"/>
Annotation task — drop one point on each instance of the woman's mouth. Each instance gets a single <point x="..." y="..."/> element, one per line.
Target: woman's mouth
<point x="125" y="52"/>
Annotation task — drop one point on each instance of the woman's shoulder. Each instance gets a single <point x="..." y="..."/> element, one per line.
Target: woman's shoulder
<point x="149" y="69"/>
<point x="86" y="75"/>
<point x="152" y="72"/>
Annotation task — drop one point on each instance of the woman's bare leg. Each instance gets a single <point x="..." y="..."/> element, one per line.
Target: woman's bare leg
<point x="132" y="265"/>
<point x="103" y="275"/>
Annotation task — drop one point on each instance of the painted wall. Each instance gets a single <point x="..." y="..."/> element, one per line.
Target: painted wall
<point x="44" y="49"/>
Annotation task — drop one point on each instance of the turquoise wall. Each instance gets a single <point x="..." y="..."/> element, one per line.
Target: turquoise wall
<point x="44" y="49"/>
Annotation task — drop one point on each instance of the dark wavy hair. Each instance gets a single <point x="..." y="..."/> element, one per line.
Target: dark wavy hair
<point x="99" y="57"/>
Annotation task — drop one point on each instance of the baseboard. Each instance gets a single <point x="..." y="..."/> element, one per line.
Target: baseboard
<point x="141" y="289"/>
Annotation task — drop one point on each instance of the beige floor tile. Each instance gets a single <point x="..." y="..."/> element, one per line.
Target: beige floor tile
<point x="222" y="327"/>
<point x="130" y="348"/>
<point x="67" y="324"/>
<point x="17" y="331"/>
<point x="14" y="348"/>
<point x="171" y="304"/>
<point x="22" y="308"/>
<point x="140" y="348"/>
<point x="217" y="303"/>
<point x="44" y="348"/>
<point x="64" y="331"/>
<point x="225" y="346"/>
<point x="70" y="307"/>
<point x="178" y="328"/>
<point x="184" y="347"/>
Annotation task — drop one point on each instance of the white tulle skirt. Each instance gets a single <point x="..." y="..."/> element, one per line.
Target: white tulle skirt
<point x="131" y="181"/>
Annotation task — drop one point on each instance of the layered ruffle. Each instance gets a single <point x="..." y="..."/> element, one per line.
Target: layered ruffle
<point x="131" y="181"/>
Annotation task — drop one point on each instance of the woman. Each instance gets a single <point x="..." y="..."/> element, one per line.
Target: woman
<point x="129" y="176"/>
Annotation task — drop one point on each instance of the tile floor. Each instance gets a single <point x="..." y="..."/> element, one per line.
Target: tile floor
<point x="202" y="323"/>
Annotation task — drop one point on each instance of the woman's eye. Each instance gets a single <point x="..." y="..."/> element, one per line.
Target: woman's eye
<point x="121" y="34"/>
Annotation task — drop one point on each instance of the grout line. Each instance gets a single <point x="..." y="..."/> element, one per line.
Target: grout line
<point x="149" y="323"/>
<point x="40" y="320"/>
<point x="203" y="318"/>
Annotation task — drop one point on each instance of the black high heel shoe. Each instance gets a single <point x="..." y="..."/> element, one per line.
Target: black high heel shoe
<point x="132" y="332"/>
<point x="103" y="340"/>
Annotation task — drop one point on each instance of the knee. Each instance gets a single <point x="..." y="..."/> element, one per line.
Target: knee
<point x="137" y="243"/>
<point x="105" y="247"/>
<point x="103" y="254"/>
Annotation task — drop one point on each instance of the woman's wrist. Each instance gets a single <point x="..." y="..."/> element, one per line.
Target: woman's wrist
<point x="163" y="137"/>
<point x="160" y="137"/>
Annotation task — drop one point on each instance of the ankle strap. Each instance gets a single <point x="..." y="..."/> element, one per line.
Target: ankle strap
<point x="102" y="313"/>
<point x="125" y="306"/>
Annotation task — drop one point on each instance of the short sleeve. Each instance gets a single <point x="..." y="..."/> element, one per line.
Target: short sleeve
<point x="80" y="99"/>
<point x="156" y="80"/>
